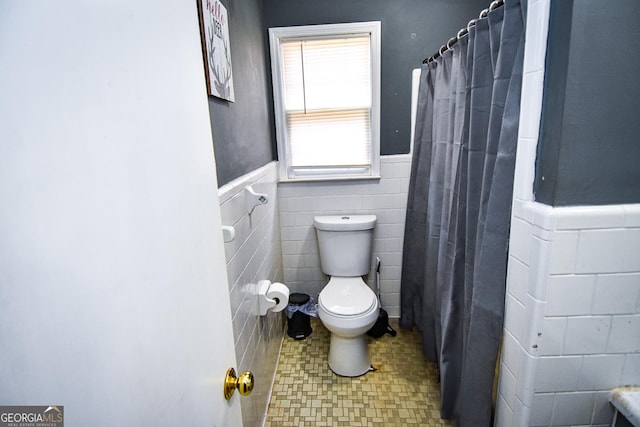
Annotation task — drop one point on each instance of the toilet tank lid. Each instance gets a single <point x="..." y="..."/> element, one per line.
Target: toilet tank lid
<point x="344" y="222"/>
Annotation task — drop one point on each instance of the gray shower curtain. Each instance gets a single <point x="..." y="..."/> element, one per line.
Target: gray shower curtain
<point x="459" y="206"/>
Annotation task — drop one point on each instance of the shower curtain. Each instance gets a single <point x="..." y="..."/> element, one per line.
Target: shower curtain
<point x="459" y="207"/>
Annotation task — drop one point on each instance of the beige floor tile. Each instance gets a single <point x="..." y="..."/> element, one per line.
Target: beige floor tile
<point x="403" y="391"/>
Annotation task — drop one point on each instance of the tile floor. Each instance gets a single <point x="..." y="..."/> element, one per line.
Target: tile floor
<point x="403" y="391"/>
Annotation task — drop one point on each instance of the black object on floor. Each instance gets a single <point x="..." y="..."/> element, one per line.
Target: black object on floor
<point x="381" y="326"/>
<point x="299" y="325"/>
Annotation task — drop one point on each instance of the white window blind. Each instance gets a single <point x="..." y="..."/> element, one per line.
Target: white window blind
<point x="327" y="85"/>
<point x="326" y="93"/>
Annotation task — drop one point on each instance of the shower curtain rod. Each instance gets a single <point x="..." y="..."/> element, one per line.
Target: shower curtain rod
<point x="463" y="32"/>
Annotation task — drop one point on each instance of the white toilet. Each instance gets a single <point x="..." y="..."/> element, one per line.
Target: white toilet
<point x="346" y="305"/>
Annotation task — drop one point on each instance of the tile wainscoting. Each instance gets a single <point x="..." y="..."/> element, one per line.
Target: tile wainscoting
<point x="386" y="198"/>
<point x="572" y="316"/>
<point x="278" y="242"/>
<point x="253" y="255"/>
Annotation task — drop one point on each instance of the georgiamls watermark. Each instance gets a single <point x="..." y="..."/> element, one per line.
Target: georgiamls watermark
<point x="32" y="416"/>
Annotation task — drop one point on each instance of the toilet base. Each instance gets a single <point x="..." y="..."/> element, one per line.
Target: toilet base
<point x="349" y="357"/>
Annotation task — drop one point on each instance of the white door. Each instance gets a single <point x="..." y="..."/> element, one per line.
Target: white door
<point x="113" y="287"/>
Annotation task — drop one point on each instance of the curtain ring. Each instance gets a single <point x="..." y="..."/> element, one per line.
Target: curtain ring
<point x="484" y="13"/>
<point x="471" y="23"/>
<point x="451" y="42"/>
<point x="496" y="4"/>
<point x="442" y="49"/>
<point x="463" y="32"/>
<point x="433" y="57"/>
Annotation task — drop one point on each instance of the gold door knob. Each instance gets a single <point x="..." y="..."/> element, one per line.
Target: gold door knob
<point x="244" y="383"/>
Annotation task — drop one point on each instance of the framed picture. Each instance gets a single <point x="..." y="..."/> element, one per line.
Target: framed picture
<point x="214" y="29"/>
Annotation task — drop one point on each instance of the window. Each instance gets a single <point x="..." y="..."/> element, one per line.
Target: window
<point x="326" y="82"/>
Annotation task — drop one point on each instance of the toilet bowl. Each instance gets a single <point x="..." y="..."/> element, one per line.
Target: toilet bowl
<point x="347" y="307"/>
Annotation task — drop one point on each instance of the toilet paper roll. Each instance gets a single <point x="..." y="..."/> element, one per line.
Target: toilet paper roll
<point x="279" y="293"/>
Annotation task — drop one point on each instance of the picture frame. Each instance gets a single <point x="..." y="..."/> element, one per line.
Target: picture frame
<point x="216" y="49"/>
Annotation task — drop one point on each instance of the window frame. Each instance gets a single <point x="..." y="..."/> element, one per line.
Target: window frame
<point x="278" y="35"/>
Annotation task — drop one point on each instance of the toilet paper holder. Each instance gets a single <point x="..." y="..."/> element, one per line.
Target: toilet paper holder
<point x="271" y="297"/>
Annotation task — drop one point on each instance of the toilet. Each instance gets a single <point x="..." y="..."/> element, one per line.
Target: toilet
<point x="347" y="307"/>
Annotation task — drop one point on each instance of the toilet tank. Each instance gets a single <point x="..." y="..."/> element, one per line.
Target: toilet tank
<point x="345" y="243"/>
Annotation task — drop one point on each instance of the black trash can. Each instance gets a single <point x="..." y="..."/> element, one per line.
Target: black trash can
<point x="299" y="325"/>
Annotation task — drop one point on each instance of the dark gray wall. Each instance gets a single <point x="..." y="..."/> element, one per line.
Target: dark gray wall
<point x="243" y="134"/>
<point x="589" y="148"/>
<point x="411" y="31"/>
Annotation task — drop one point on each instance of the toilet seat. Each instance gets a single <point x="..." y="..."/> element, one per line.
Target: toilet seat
<point x="347" y="296"/>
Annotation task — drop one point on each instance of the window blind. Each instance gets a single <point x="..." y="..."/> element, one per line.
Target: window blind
<point x="327" y="101"/>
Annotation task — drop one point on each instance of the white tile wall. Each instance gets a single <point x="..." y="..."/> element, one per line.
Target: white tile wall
<point x="631" y="370"/>
<point x="601" y="371"/>
<point x="519" y="273"/>
<point x="536" y="37"/>
<point x="539" y="249"/>
<point x="600" y="251"/>
<point x="521" y="413"/>
<point x="586" y="342"/>
<point x="531" y="104"/>
<point x="508" y="384"/>
<point x="254" y="254"/>
<point x="514" y="310"/>
<point x="563" y="252"/>
<point x="520" y="249"/>
<point x="572" y="409"/>
<point x="617" y="294"/>
<point x="543" y="403"/>
<point x="625" y="336"/>
<point x="581" y="267"/>
<point x="603" y="411"/>
<point x="570" y="294"/>
<point x="526" y="379"/>
<point x="587" y="335"/>
<point x="529" y="262"/>
<point x="589" y="217"/>
<point x="558" y="373"/>
<point x="386" y="198"/>
<point x="551" y="342"/>
<point x="503" y="412"/>
<point x="632" y="248"/>
<point x="511" y="352"/>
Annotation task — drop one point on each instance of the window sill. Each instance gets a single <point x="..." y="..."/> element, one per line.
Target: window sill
<point x="330" y="179"/>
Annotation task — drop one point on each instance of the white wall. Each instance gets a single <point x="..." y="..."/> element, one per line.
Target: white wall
<point x="572" y="311"/>
<point x="386" y="198"/>
<point x="255" y="254"/>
